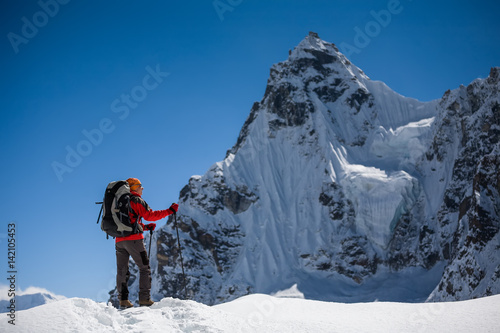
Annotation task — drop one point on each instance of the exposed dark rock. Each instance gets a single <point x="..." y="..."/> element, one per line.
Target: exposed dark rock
<point x="357" y="99"/>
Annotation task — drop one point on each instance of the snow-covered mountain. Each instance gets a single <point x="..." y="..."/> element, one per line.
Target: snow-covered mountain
<point x="351" y="191"/>
<point x="30" y="300"/>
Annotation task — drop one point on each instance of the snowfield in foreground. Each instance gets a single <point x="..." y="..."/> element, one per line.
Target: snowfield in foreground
<point x="261" y="313"/>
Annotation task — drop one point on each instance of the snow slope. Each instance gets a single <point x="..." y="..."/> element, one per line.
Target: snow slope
<point x="260" y="313"/>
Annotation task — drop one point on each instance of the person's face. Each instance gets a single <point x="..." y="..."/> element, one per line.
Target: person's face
<point x="138" y="188"/>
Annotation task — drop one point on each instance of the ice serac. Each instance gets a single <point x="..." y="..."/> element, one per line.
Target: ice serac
<point x="341" y="186"/>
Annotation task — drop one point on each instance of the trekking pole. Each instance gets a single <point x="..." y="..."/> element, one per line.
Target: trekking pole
<point x="180" y="253"/>
<point x="102" y="206"/>
<point x="150" y="237"/>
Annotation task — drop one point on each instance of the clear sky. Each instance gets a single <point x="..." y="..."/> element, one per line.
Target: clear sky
<point x="97" y="91"/>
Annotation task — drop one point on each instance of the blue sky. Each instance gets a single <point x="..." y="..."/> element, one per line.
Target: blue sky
<point x="159" y="90"/>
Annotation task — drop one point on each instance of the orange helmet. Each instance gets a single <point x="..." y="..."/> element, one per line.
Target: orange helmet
<point x="134" y="183"/>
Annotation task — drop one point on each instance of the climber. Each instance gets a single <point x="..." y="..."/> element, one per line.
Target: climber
<point x="133" y="245"/>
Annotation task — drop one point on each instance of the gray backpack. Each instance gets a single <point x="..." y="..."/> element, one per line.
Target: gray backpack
<point x="116" y="208"/>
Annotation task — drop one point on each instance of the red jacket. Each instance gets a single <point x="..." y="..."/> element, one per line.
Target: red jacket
<point x="140" y="209"/>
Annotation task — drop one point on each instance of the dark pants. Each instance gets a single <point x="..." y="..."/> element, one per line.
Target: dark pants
<point x="136" y="249"/>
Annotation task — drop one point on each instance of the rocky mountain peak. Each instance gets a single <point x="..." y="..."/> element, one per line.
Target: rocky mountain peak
<point x="351" y="191"/>
<point x="494" y="76"/>
<point x="314" y="77"/>
<point x="314" y="52"/>
<point x="313" y="42"/>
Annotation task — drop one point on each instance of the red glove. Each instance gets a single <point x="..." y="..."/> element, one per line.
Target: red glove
<point x="174" y="208"/>
<point x="150" y="226"/>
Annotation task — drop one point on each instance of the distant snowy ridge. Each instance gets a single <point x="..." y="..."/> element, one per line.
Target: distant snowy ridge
<point x="260" y="313"/>
<point x="343" y="187"/>
<point x="29" y="300"/>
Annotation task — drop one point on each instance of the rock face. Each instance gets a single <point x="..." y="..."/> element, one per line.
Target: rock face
<point x="351" y="191"/>
<point x="468" y="219"/>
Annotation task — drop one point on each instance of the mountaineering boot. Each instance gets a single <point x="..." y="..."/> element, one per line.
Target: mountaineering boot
<point x="146" y="303"/>
<point x="126" y="304"/>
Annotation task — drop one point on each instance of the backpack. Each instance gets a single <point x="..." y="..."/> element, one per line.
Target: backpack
<point x="116" y="208"/>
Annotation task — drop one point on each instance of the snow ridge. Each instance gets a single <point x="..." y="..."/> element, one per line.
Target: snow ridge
<point x="259" y="313"/>
<point x="29" y="300"/>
